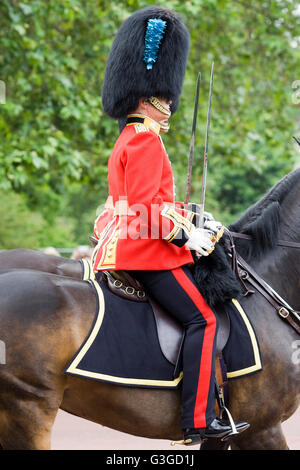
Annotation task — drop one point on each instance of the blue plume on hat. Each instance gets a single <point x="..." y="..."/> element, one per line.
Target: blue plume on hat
<point x="154" y="34"/>
<point x="148" y="58"/>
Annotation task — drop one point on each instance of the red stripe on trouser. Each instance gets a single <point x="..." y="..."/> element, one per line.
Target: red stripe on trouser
<point x="207" y="347"/>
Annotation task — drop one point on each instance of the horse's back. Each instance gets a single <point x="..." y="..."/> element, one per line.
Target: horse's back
<point x="43" y="316"/>
<point x="21" y="258"/>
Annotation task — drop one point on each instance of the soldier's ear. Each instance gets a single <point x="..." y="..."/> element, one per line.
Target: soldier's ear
<point x="143" y="103"/>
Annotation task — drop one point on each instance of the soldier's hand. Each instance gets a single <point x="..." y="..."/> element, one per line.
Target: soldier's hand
<point x="216" y="227"/>
<point x="201" y="241"/>
<point x="208" y="216"/>
<point x="213" y="225"/>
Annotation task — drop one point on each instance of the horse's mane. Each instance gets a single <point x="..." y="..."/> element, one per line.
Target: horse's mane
<point x="261" y="220"/>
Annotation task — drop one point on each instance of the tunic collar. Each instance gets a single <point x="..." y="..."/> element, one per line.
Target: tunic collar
<point x="141" y="119"/>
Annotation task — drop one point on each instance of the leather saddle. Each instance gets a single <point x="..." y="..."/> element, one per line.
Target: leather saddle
<point x="170" y="331"/>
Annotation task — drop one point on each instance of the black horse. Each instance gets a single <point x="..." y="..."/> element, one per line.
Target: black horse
<point x="44" y="318"/>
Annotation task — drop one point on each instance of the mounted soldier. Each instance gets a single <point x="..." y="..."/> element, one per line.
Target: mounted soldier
<point x="142" y="228"/>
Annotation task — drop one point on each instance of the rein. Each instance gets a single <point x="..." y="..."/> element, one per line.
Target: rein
<point x="285" y="243"/>
<point x="244" y="272"/>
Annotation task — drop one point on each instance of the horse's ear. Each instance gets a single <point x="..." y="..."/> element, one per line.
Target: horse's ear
<point x="263" y="229"/>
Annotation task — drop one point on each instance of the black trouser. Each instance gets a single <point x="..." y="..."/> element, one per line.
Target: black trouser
<point x="177" y="291"/>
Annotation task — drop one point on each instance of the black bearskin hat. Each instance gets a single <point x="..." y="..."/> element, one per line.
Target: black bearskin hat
<point x="148" y="58"/>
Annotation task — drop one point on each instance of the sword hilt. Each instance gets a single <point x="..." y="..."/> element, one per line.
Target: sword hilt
<point x="215" y="238"/>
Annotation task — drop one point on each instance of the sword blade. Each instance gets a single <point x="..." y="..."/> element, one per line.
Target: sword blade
<point x="297" y="140"/>
<point x="204" y="175"/>
<point x="192" y="143"/>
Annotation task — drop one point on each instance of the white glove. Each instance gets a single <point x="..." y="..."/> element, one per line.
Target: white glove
<point x="213" y="226"/>
<point x="200" y="241"/>
<point x="208" y="216"/>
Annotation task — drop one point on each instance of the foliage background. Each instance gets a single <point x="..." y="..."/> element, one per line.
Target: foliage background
<point x="55" y="140"/>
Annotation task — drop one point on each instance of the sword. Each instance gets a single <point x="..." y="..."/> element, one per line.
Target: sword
<point x="192" y="143"/>
<point x="216" y="237"/>
<point x="204" y="175"/>
<point x="297" y="140"/>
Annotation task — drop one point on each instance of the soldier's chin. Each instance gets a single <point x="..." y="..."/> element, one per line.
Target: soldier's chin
<point x="164" y="126"/>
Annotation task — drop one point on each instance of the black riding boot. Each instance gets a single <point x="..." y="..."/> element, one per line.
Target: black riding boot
<point x="218" y="428"/>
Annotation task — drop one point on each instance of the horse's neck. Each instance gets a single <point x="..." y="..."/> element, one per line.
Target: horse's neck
<point x="280" y="267"/>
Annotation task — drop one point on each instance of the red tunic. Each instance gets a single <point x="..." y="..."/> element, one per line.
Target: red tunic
<point x="141" y="228"/>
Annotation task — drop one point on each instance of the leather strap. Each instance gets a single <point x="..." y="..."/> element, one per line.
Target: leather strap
<point x="285" y="243"/>
<point x="286" y="313"/>
<point x="221" y="385"/>
<point x="122" y="284"/>
<point x="244" y="272"/>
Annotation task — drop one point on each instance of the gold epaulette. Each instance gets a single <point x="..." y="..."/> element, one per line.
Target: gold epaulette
<point x="141" y="128"/>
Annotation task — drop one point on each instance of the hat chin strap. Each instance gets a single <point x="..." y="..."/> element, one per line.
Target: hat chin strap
<point x="164" y="127"/>
<point x="158" y="105"/>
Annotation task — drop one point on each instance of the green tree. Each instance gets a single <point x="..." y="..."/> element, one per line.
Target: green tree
<point x="21" y="227"/>
<point x="56" y="140"/>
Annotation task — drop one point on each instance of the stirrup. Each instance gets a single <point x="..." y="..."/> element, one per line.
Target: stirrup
<point x="234" y="431"/>
<point x="221" y="402"/>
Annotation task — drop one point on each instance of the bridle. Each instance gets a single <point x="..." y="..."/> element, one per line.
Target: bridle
<point x="245" y="273"/>
<point x="285" y="243"/>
